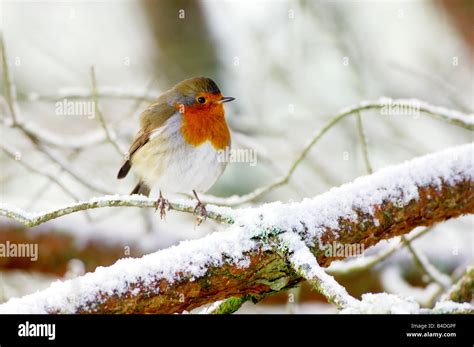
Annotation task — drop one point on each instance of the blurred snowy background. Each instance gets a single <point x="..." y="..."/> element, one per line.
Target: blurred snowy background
<point x="291" y="66"/>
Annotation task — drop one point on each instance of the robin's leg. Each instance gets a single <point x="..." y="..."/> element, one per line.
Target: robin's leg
<point x="200" y="209"/>
<point x="162" y="204"/>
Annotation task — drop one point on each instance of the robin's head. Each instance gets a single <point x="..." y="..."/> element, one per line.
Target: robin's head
<point x="200" y="102"/>
<point x="198" y="93"/>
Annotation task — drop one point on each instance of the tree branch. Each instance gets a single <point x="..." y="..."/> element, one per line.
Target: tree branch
<point x="52" y="178"/>
<point x="250" y="258"/>
<point x="367" y="262"/>
<point x="453" y="117"/>
<point x="305" y="264"/>
<point x="109" y="134"/>
<point x="463" y="289"/>
<point x="34" y="219"/>
<point x="429" y="269"/>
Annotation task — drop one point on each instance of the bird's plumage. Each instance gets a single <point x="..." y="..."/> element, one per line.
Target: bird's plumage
<point x="177" y="147"/>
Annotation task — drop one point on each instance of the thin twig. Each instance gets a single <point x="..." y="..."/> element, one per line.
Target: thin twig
<point x="35" y="169"/>
<point x="363" y="143"/>
<point x="449" y="89"/>
<point x="452" y="117"/>
<point x="85" y="180"/>
<point x="10" y="90"/>
<point x="253" y="250"/>
<point x="109" y="134"/>
<point x="421" y="260"/>
<point x="429" y="269"/>
<point x="82" y="94"/>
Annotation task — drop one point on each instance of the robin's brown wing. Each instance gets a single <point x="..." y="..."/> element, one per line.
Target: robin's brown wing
<point x="140" y="140"/>
<point x="151" y="119"/>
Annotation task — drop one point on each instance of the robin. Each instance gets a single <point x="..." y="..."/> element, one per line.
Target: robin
<point x="177" y="147"/>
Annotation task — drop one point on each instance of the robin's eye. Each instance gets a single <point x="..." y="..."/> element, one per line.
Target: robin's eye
<point x="201" y="100"/>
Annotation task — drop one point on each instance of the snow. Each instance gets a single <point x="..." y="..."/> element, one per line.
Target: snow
<point x="103" y="201"/>
<point x="395" y="184"/>
<point x="211" y="308"/>
<point x="188" y="259"/>
<point x="191" y="259"/>
<point x="305" y="262"/>
<point x="450" y="306"/>
<point x="383" y="303"/>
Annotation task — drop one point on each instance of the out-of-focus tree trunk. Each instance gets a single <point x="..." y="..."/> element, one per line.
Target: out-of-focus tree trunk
<point x="184" y="46"/>
<point x="461" y="13"/>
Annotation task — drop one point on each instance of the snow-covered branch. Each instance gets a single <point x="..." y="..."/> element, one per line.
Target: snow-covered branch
<point x="249" y="258"/>
<point x="305" y="264"/>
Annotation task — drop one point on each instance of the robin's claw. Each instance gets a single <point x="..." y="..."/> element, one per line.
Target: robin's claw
<point x="200" y="210"/>
<point x="162" y="204"/>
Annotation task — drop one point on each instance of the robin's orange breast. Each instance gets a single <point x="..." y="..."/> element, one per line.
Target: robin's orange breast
<point x="201" y="124"/>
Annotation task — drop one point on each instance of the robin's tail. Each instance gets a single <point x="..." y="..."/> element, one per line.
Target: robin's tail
<point x="141" y="188"/>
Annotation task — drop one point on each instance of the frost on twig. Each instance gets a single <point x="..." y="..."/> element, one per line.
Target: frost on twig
<point x="246" y="260"/>
<point x="450" y="116"/>
<point x="33" y="219"/>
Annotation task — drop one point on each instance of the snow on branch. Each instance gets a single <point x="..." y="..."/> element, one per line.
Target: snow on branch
<point x="386" y="106"/>
<point x="249" y="258"/>
<point x="305" y="264"/>
<point x="33" y="219"/>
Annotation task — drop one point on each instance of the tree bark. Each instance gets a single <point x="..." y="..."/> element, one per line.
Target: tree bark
<point x="444" y="189"/>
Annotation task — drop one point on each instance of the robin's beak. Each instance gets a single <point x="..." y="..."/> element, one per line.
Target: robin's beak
<point x="226" y="99"/>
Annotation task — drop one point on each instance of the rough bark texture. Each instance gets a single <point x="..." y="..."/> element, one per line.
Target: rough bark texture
<point x="268" y="271"/>
<point x="434" y="205"/>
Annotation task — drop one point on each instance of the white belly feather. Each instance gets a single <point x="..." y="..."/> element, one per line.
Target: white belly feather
<point x="171" y="165"/>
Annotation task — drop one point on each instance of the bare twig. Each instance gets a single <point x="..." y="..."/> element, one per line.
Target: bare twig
<point x="103" y="92"/>
<point x="109" y="133"/>
<point x="50" y="177"/>
<point x="429" y="269"/>
<point x="363" y="143"/>
<point x="452" y="117"/>
<point x="80" y="177"/>
<point x="420" y="259"/>
<point x="255" y="254"/>
<point x="10" y="90"/>
<point x="444" y="85"/>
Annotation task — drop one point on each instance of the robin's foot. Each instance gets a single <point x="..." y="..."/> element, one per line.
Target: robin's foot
<point x="200" y="210"/>
<point x="162" y="204"/>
